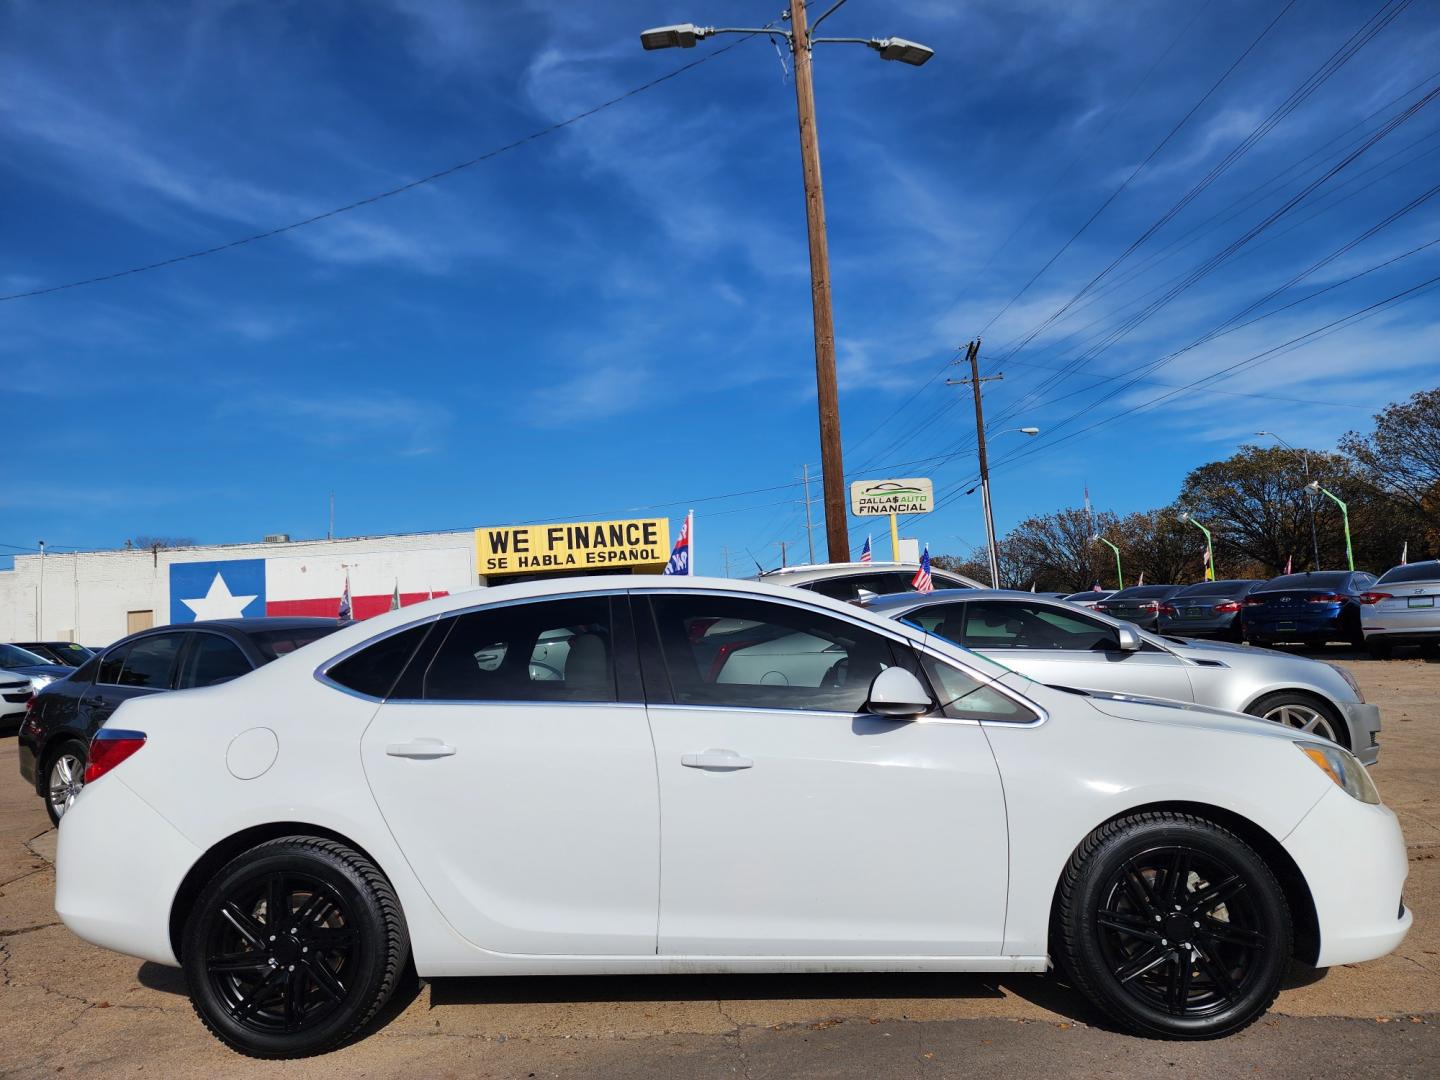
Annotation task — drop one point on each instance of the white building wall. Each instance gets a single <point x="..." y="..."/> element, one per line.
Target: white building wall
<point x="87" y="595"/>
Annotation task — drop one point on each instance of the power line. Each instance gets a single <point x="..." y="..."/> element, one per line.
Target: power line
<point x="392" y="192"/>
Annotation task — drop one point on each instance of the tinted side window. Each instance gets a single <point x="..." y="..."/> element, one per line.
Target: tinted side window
<point x="996" y="625"/>
<point x="212" y="659"/>
<point x="111" y="665"/>
<point x="722" y="650"/>
<point x="373" y="670"/>
<point x="963" y="696"/>
<point x="550" y="650"/>
<point x="87" y="671"/>
<point x="151" y="662"/>
<point x="848" y="588"/>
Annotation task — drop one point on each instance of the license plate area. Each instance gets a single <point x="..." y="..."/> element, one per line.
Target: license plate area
<point x="1420" y="601"/>
<point x="1284" y="626"/>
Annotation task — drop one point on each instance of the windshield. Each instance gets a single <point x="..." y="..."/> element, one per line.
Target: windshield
<point x="1420" y="571"/>
<point x="12" y="656"/>
<point x="274" y="644"/>
<point x="1217" y="588"/>
<point x="1090" y="594"/>
<point x="1142" y="592"/>
<point x="1325" y="579"/>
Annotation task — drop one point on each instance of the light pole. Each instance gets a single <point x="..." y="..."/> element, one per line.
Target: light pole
<point x="1119" y="574"/>
<point x="985" y="494"/>
<point x="1188" y="517"/>
<point x="1315" y="489"/>
<point x="801" y="40"/>
<point x="1305" y="462"/>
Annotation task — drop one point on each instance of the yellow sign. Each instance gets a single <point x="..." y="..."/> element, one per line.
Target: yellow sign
<point x="643" y="544"/>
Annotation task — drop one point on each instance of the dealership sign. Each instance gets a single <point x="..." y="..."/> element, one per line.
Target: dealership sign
<point x="876" y="498"/>
<point x="535" y="549"/>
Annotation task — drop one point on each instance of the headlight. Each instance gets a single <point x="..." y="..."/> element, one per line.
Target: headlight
<point x="1344" y="768"/>
<point x="39" y="682"/>
<point x="1345" y="674"/>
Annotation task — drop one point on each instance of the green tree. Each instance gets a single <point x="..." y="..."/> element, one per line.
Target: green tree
<point x="1401" y="458"/>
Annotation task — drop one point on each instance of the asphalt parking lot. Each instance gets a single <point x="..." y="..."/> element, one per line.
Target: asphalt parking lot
<point x="67" y="1008"/>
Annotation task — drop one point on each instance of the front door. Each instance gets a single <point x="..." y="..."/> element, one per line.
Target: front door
<point x="514" y="766"/>
<point x="1058" y="645"/>
<point x="793" y="822"/>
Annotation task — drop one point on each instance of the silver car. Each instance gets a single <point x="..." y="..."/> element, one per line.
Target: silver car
<point x="1055" y="642"/>
<point x="1403" y="608"/>
<point x="856" y="580"/>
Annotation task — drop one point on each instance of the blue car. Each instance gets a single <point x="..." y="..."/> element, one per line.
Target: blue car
<point x="1316" y="607"/>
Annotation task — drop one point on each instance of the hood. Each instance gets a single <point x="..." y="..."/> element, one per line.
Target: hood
<point x="1153" y="710"/>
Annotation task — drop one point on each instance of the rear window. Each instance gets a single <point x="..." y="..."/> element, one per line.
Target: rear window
<point x="273" y="644"/>
<point x="1420" y="571"/>
<point x="1217" y="588"/>
<point x="1090" y="594"/>
<point x="1325" y="579"/>
<point x="1144" y="592"/>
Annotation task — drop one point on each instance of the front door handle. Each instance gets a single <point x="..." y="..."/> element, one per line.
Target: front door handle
<point x="718" y="760"/>
<point x="423" y="749"/>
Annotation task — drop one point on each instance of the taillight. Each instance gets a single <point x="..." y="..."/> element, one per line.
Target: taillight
<point x="1228" y="606"/>
<point x="1150" y="605"/>
<point x="109" y="748"/>
<point x="1167" y="609"/>
<point x="1100" y="606"/>
<point x="1374" y="597"/>
<point x="1254" y="601"/>
<point x="1327" y="598"/>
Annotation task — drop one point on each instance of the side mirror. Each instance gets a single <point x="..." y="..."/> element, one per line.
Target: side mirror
<point x="1129" y="637"/>
<point x="897" y="694"/>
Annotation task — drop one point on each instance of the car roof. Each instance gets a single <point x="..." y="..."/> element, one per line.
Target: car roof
<point x="906" y="601"/>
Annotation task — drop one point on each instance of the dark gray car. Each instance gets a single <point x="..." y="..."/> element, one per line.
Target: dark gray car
<point x="1139" y="604"/>
<point x="1209" y="609"/>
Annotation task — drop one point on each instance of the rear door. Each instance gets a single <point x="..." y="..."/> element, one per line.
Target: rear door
<point x="1059" y="645"/>
<point x="514" y="766"/>
<point x="132" y="669"/>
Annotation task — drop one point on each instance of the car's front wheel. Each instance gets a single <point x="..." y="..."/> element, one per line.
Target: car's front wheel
<point x="1303" y="713"/>
<point x="1173" y="926"/>
<point x="64" y="777"/>
<point x="293" y="947"/>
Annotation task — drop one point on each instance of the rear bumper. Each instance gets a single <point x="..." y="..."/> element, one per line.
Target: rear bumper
<point x="1353" y="858"/>
<point x="28" y="769"/>
<point x="1400" y="635"/>
<point x="1363" y="720"/>
<point x="110" y="889"/>
<point x="1293" y="628"/>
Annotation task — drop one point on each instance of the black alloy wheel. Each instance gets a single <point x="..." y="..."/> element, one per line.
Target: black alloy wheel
<point x="1174" y="926"/>
<point x="293" y="947"/>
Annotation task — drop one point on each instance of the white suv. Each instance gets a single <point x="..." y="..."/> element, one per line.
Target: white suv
<point x="853" y="580"/>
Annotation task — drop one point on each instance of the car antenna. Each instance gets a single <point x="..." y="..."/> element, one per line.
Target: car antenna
<point x="762" y="571"/>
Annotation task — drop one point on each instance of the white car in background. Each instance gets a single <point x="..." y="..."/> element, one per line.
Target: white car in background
<point x="1403" y="608"/>
<point x="678" y="800"/>
<point x="16" y="690"/>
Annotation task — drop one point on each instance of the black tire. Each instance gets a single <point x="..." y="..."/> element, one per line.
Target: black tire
<point x="1379" y="650"/>
<point x="1430" y="650"/>
<point x="1290" y="707"/>
<point x="1222" y="975"/>
<point x="257" y="984"/>
<point x="71" y="750"/>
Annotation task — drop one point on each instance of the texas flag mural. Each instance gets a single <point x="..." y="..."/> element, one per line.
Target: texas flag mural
<point x="246" y="588"/>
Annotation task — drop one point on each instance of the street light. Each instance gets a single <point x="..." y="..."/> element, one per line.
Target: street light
<point x="1119" y="574"/>
<point x="1305" y="461"/>
<point x="1189" y="518"/>
<point x="801" y="41"/>
<point x="1315" y="489"/>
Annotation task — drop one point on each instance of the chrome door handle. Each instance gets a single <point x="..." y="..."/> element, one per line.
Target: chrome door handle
<point x="718" y="760"/>
<point x="420" y="748"/>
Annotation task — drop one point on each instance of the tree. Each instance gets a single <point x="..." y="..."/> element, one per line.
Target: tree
<point x="1401" y="458"/>
<point x="1157" y="544"/>
<point x="1057" y="551"/>
<point x="159" y="542"/>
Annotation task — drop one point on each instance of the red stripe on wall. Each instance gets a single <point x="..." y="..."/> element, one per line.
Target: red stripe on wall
<point x="365" y="607"/>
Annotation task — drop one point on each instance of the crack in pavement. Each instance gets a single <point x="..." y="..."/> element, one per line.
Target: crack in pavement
<point x="28" y="929"/>
<point x="738" y="1032"/>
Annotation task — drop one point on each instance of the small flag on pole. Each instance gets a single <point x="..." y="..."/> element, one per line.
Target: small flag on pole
<point x="1289" y="562"/>
<point x="1405" y="554"/>
<point x="865" y="554"/>
<point x="922" y="582"/>
<point x="1209" y="569"/>
<point x="395" y="597"/>
<point x="680" y="555"/>
<point x="344" y="612"/>
<point x="1142" y="578"/>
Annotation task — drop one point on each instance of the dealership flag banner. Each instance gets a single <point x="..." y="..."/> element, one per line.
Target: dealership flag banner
<point x="395" y="597"/>
<point x="344" y="612"/>
<point x="922" y="581"/>
<point x="865" y="553"/>
<point x="1405" y="554"/>
<point x="680" y="557"/>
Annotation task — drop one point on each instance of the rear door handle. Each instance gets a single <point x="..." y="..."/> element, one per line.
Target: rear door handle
<point x="420" y="748"/>
<point x="717" y="760"/>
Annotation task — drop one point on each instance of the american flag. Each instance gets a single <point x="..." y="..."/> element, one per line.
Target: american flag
<point x="344" y="612"/>
<point x="922" y="582"/>
<point x="865" y="555"/>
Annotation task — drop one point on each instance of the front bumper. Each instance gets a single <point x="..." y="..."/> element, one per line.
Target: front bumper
<point x="1364" y="723"/>
<point x="1353" y="858"/>
<point x="118" y="867"/>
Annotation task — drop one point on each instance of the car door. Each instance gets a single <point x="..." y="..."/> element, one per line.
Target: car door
<point x="141" y="666"/>
<point x="1058" y="645"/>
<point x="514" y="766"/>
<point x="793" y="822"/>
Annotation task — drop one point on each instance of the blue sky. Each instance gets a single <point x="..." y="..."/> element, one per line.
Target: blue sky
<point x="617" y="316"/>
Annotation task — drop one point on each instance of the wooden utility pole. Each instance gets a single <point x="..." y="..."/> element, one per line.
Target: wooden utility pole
<point x="783" y="545"/>
<point x="809" y="522"/>
<point x="972" y="354"/>
<point x="832" y="467"/>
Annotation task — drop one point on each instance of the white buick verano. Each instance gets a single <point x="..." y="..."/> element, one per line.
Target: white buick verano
<point x="637" y="774"/>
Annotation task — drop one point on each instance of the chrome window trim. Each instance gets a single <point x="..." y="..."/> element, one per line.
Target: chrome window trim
<point x="825" y="713"/>
<point x="322" y="671"/>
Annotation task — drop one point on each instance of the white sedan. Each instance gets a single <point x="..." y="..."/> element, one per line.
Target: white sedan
<point x="417" y="786"/>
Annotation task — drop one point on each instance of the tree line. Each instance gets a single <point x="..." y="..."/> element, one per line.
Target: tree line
<point x="1256" y="506"/>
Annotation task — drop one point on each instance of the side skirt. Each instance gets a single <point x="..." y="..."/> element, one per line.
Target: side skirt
<point x="705" y="965"/>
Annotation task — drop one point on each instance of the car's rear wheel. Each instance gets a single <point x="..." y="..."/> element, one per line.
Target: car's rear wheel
<point x="1379" y="650"/>
<point x="1173" y="926"/>
<point x="64" y="777"/>
<point x="1303" y="713"/>
<point x="293" y="947"/>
